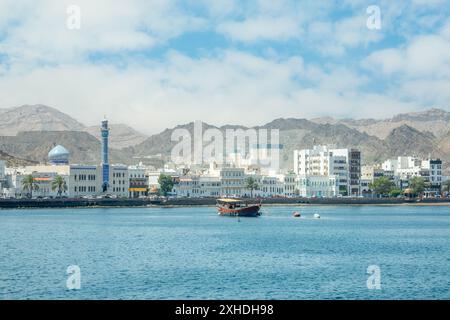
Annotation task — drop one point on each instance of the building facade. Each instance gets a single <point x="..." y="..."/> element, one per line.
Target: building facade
<point x="232" y="181"/>
<point x="138" y="182"/>
<point x="322" y="161"/>
<point x="2" y="176"/>
<point x="355" y="172"/>
<point x="317" y="186"/>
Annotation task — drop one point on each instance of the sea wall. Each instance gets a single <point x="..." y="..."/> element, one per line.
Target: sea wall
<point x="72" y="203"/>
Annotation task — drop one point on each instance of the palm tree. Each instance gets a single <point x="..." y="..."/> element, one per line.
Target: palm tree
<point x="59" y="183"/>
<point x="29" y="185"/>
<point x="251" y="184"/>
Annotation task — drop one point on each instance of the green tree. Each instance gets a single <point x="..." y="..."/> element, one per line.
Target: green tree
<point x="417" y="184"/>
<point x="446" y="186"/>
<point x="395" y="192"/>
<point x="29" y="185"/>
<point x="165" y="183"/>
<point x="59" y="183"/>
<point x="251" y="184"/>
<point x="382" y="186"/>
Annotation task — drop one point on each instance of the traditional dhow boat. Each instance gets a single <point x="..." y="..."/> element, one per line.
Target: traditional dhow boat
<point x="237" y="207"/>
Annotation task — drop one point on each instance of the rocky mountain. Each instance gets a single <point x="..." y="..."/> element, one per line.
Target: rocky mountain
<point x="422" y="134"/>
<point x="404" y="140"/>
<point x="302" y="133"/>
<point x="35" y="118"/>
<point x="437" y="121"/>
<point x="121" y="135"/>
<point x="14" y="161"/>
<point x="43" y="118"/>
<point x="444" y="144"/>
<point x="294" y="134"/>
<point x="83" y="147"/>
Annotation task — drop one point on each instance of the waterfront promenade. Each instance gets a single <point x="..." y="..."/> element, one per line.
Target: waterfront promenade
<point x="143" y="202"/>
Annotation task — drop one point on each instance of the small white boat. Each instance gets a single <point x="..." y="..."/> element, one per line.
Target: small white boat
<point x="316" y="216"/>
<point x="296" y="214"/>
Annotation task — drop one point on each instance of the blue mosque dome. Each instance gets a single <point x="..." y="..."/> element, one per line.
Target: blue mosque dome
<point x="59" y="155"/>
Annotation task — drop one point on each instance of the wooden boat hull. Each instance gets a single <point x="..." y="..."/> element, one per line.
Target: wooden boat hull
<point x="250" y="211"/>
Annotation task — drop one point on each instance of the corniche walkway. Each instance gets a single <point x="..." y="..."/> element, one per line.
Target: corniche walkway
<point x="104" y="202"/>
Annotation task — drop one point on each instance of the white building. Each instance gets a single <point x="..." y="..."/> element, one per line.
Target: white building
<point x="365" y="185"/>
<point x="210" y="186"/>
<point x="232" y="181"/>
<point x="188" y="186"/>
<point x="119" y="181"/>
<point x="84" y="180"/>
<point x="434" y="167"/>
<point x="289" y="181"/>
<point x="317" y="186"/>
<point x="271" y="187"/>
<point x="325" y="162"/>
<point x="43" y="181"/>
<point x="198" y="186"/>
<point x="81" y="180"/>
<point x="138" y="181"/>
<point x="2" y="176"/>
<point x="390" y="165"/>
<point x="2" y="169"/>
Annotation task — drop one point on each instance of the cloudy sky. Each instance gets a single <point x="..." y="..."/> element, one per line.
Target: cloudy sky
<point x="154" y="64"/>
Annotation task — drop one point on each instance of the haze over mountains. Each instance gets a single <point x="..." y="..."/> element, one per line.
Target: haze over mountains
<point x="28" y="132"/>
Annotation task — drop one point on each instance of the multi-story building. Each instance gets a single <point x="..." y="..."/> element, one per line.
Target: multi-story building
<point x="210" y="186"/>
<point x="373" y="172"/>
<point x="405" y="168"/>
<point x="2" y="169"/>
<point x="232" y="181"/>
<point x="138" y="181"/>
<point x="270" y="187"/>
<point x="84" y="180"/>
<point x="290" y="184"/>
<point x="119" y="180"/>
<point x="2" y="176"/>
<point x="317" y="186"/>
<point x="195" y="186"/>
<point x="43" y="182"/>
<point x="188" y="186"/>
<point x="434" y="167"/>
<point x="365" y="186"/>
<point x="325" y="162"/>
<point x="390" y="165"/>
<point x="355" y="172"/>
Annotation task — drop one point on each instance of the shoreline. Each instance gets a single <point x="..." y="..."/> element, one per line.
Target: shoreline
<point x="210" y="202"/>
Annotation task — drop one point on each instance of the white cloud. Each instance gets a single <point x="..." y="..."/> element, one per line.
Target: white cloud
<point x="43" y="62"/>
<point x="233" y="87"/>
<point x="41" y="35"/>
<point x="334" y="38"/>
<point x="424" y="56"/>
<point x="261" y="28"/>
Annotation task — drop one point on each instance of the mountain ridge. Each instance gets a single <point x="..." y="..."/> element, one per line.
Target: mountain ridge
<point x="418" y="133"/>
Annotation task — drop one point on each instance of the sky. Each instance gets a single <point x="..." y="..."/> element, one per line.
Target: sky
<point x="154" y="64"/>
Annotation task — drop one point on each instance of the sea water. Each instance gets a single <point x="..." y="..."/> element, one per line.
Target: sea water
<point x="192" y="253"/>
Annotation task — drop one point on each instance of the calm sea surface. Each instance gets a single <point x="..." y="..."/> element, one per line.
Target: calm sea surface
<point x="191" y="253"/>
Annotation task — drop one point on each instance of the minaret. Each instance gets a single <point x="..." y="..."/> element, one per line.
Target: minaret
<point x="105" y="162"/>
